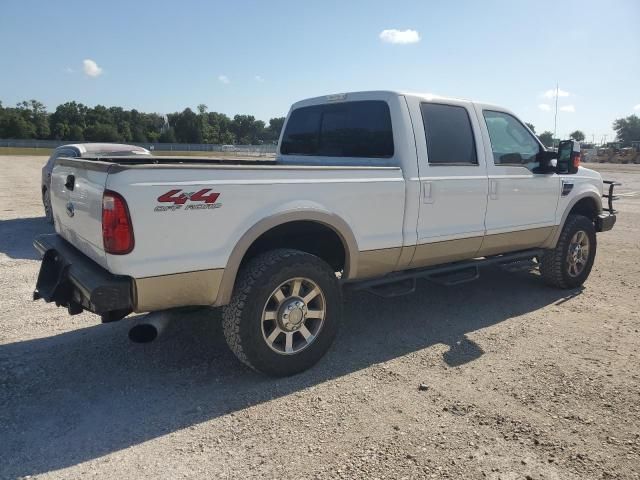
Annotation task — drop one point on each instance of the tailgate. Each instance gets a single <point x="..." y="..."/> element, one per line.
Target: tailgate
<point x="77" y="186"/>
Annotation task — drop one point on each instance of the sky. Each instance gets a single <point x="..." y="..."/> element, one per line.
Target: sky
<point x="258" y="57"/>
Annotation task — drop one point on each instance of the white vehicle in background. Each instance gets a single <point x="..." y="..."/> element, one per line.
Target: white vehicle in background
<point x="74" y="150"/>
<point x="369" y="190"/>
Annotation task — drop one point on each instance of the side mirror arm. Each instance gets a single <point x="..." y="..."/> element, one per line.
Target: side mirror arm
<point x="544" y="159"/>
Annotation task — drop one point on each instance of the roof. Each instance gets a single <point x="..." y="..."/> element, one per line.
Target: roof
<point x="105" y="147"/>
<point x="378" y="93"/>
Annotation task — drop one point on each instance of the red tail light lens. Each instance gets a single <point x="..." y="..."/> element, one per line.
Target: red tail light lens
<point x="117" y="229"/>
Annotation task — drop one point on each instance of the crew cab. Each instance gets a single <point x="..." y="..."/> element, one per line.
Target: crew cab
<point x="368" y="190"/>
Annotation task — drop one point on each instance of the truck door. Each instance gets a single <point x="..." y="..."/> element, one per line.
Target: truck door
<point x="453" y="181"/>
<point x="522" y="203"/>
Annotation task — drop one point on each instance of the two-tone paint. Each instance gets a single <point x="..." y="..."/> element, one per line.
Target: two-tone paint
<point x="391" y="214"/>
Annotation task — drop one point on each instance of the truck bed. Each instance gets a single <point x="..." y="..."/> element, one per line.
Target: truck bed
<point x="178" y="160"/>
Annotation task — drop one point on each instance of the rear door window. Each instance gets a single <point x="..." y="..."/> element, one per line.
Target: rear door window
<point x="349" y="129"/>
<point x="449" y="135"/>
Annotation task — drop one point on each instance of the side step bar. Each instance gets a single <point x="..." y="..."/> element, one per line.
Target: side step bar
<point x="399" y="283"/>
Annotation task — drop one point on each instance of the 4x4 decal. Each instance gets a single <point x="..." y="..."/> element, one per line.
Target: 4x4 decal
<point x="203" y="199"/>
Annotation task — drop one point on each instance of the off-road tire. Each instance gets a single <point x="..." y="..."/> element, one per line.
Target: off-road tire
<point x="242" y="317"/>
<point x="554" y="267"/>
<point x="46" y="201"/>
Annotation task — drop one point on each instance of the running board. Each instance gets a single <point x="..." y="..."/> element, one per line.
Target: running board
<point x="400" y="283"/>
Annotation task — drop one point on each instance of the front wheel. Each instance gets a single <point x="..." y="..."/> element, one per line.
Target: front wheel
<point x="284" y="313"/>
<point x="569" y="264"/>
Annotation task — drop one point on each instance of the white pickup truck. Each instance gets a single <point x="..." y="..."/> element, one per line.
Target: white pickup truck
<point x="368" y="189"/>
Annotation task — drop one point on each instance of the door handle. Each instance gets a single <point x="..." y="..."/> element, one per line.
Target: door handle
<point x="493" y="189"/>
<point x="427" y="192"/>
<point x="71" y="181"/>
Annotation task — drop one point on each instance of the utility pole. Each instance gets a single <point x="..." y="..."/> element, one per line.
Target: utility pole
<point x="555" y="120"/>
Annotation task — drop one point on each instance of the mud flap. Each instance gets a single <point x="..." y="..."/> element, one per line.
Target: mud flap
<point x="53" y="283"/>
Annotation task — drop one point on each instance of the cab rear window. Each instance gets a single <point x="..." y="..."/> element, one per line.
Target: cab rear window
<point x="349" y="129"/>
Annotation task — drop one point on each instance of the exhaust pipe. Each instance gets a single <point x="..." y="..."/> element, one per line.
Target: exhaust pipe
<point x="148" y="328"/>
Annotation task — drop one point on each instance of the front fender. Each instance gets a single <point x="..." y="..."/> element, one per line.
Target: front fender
<point x="564" y="209"/>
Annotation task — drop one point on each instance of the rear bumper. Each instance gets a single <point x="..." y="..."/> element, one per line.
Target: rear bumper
<point x="70" y="279"/>
<point x="605" y="222"/>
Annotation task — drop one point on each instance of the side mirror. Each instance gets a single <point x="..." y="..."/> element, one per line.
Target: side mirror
<point x="568" y="157"/>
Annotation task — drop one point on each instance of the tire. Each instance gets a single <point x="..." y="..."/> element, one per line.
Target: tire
<point x="46" y="201"/>
<point x="559" y="268"/>
<point x="307" y="311"/>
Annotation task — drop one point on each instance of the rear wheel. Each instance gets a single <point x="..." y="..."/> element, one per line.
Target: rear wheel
<point x="285" y="312"/>
<point x="569" y="264"/>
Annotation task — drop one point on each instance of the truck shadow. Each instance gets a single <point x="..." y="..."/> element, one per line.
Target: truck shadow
<point x="87" y="393"/>
<point x="16" y="236"/>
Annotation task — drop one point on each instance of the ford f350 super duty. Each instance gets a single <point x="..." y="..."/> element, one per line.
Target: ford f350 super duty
<point x="368" y="190"/>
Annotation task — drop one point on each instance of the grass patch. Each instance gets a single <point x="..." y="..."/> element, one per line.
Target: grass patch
<point x="25" y="151"/>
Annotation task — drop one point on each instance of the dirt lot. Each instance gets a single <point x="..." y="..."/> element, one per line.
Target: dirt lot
<point x="523" y="381"/>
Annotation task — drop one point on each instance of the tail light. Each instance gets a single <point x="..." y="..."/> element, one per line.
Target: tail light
<point x="117" y="229"/>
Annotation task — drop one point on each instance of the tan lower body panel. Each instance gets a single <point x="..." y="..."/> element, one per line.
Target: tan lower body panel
<point x="513" y="241"/>
<point x="177" y="290"/>
<point x="373" y="263"/>
<point x="436" y="253"/>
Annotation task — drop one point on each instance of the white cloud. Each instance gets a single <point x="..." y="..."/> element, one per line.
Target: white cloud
<point x="552" y="93"/>
<point x="259" y="78"/>
<point x="223" y="79"/>
<point x="400" y="36"/>
<point x="568" y="108"/>
<point x="91" y="68"/>
<point x="637" y="107"/>
<point x="544" y="107"/>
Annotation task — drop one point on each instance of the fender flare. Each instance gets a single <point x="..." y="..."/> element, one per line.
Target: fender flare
<point x="552" y="241"/>
<point x="330" y="220"/>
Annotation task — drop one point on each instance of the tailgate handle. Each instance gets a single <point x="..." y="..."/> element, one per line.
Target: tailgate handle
<point x="71" y="181"/>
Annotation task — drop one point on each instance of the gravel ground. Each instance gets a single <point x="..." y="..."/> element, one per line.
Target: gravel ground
<point x="522" y="381"/>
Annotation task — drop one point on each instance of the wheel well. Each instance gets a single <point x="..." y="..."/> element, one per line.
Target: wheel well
<point x="307" y="236"/>
<point x="586" y="207"/>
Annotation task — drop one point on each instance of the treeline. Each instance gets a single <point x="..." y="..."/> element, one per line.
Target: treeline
<point x="77" y="122"/>
<point x="627" y="130"/>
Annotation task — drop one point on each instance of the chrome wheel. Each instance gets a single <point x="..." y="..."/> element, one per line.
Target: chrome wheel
<point x="293" y="316"/>
<point x="578" y="253"/>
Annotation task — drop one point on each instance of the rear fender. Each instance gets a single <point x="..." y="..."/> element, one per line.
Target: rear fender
<point x="331" y="220"/>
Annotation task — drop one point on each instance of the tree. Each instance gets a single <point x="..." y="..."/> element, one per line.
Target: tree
<point x="14" y="125"/>
<point x="35" y="113"/>
<point x="627" y="129"/>
<point x="168" y="136"/>
<point x="531" y="127"/>
<point x="272" y="133"/>
<point x="101" y="132"/>
<point x="186" y="126"/>
<point x="546" y="138"/>
<point x="578" y="136"/>
<point x="68" y="118"/>
<point x="75" y="133"/>
<point x="76" y="122"/>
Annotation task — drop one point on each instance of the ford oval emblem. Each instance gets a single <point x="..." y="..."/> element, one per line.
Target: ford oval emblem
<point x="70" y="209"/>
